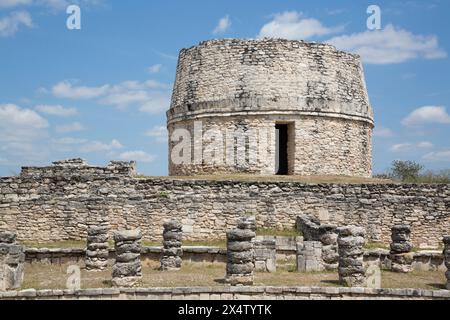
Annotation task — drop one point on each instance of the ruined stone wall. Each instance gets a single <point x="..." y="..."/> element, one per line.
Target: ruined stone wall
<point x="250" y="84"/>
<point x="59" y="203"/>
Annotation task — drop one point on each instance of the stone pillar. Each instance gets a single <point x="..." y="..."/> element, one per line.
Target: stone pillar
<point x="127" y="269"/>
<point x="309" y="257"/>
<point x="97" y="251"/>
<point x="172" y="253"/>
<point x="265" y="254"/>
<point x="401" y="256"/>
<point x="240" y="254"/>
<point x="447" y="259"/>
<point x="351" y="269"/>
<point x="12" y="259"/>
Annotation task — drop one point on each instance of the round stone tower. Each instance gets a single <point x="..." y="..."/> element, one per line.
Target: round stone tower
<point x="269" y="107"/>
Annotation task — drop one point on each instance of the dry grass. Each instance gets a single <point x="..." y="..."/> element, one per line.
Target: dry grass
<point x="274" y="178"/>
<point x="40" y="276"/>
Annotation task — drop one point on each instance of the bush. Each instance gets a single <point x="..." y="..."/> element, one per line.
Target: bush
<point x="406" y="171"/>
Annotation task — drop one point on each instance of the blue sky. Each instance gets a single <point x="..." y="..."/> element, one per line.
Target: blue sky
<point x="100" y="93"/>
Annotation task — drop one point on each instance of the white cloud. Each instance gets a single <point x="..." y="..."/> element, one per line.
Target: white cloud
<point x="382" y="132"/>
<point x="427" y="115"/>
<point x="156" y="68"/>
<point x="13" y="3"/>
<point x="159" y="133"/>
<point x="223" y="26"/>
<point x="96" y="146"/>
<point x="65" y="89"/>
<point x="137" y="156"/>
<point x="20" y="132"/>
<point x="390" y="45"/>
<point x="70" y="141"/>
<point x="405" y="147"/>
<point x="293" y="25"/>
<point x="443" y="156"/>
<point x="56" y="110"/>
<point x="150" y="96"/>
<point x="10" y="24"/>
<point x="71" y="127"/>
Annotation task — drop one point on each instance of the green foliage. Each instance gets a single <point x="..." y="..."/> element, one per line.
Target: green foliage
<point x="406" y="171"/>
<point x="413" y="172"/>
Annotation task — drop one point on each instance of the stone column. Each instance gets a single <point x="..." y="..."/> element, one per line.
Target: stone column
<point x="172" y="253"/>
<point x="240" y="254"/>
<point x="447" y="259"/>
<point x="401" y="256"/>
<point x="309" y="257"/>
<point x="97" y="251"/>
<point x="127" y="269"/>
<point x="12" y="259"/>
<point x="351" y="269"/>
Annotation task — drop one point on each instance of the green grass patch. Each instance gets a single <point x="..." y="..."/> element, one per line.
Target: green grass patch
<point x="278" y="233"/>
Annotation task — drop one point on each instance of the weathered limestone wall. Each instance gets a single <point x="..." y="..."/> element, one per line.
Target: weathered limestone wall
<point x="58" y="203"/>
<point x="253" y="84"/>
<point x="323" y="146"/>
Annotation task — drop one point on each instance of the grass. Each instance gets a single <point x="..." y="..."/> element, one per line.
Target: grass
<point x="274" y="178"/>
<point x="41" y="276"/>
<point x="72" y="244"/>
<point x="278" y="233"/>
<point x="376" y="245"/>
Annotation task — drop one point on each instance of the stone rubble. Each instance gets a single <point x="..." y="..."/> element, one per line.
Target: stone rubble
<point x="240" y="254"/>
<point x="401" y="255"/>
<point x="351" y="241"/>
<point x="12" y="259"/>
<point x="313" y="230"/>
<point x="127" y="268"/>
<point x="171" y="256"/>
<point x="97" y="250"/>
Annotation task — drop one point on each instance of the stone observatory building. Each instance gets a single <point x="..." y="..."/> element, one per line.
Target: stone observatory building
<point x="269" y="107"/>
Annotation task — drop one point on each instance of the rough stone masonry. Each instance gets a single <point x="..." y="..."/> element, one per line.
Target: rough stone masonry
<point x="351" y="269"/>
<point x="12" y="258"/>
<point x="127" y="268"/>
<point x="401" y="255"/>
<point x="97" y="250"/>
<point x="171" y="255"/>
<point x="240" y="254"/>
<point x="60" y="202"/>
<point x="447" y="259"/>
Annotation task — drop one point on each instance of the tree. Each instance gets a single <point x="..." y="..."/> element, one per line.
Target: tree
<point x="406" y="171"/>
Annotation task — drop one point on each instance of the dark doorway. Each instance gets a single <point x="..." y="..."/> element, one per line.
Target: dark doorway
<point x="282" y="149"/>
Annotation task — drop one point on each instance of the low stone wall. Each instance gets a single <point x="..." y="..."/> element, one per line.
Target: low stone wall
<point x="60" y="202"/>
<point x="425" y="261"/>
<point x="229" y="293"/>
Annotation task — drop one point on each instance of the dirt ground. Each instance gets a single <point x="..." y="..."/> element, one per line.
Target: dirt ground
<point x="45" y="276"/>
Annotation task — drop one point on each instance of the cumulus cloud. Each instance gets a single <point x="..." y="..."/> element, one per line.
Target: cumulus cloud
<point x="438" y="156"/>
<point x="159" y="133"/>
<point x="66" y="89"/>
<point x="149" y="96"/>
<point x="294" y="25"/>
<point x="427" y="115"/>
<point x="405" y="147"/>
<point x="223" y="26"/>
<point x="20" y="130"/>
<point x="70" y="127"/>
<point x="10" y="24"/>
<point x="56" y="110"/>
<point x="390" y="45"/>
<point x="137" y="156"/>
